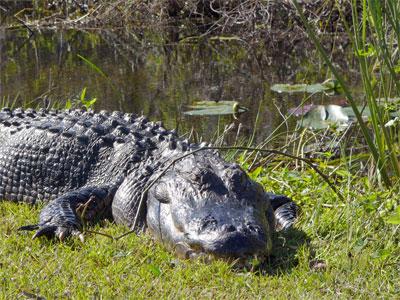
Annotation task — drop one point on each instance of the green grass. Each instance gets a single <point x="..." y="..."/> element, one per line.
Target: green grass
<point x="359" y="250"/>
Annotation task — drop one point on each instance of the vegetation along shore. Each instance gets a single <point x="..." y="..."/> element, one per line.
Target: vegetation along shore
<point x="302" y="95"/>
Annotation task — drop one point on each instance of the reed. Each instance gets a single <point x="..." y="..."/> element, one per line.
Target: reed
<point x="374" y="34"/>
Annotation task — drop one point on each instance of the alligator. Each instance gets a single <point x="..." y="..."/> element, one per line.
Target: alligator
<point x="86" y="166"/>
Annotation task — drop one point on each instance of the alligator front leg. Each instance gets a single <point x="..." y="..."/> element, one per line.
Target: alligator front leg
<point x="66" y="215"/>
<point x="285" y="211"/>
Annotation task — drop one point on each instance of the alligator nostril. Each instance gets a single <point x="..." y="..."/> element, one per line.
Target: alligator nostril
<point x="251" y="228"/>
<point x="208" y="222"/>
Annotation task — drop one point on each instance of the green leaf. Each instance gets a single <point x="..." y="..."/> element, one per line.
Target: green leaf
<point x="256" y="172"/>
<point x="360" y="245"/>
<point x="299" y="88"/>
<point x="154" y="269"/>
<point x="381" y="254"/>
<point x="394" y="218"/>
<point x="89" y="103"/>
<point x="211" y="108"/>
<point x="93" y="66"/>
<point x="368" y="51"/>
<point x="68" y="104"/>
<point x="83" y="94"/>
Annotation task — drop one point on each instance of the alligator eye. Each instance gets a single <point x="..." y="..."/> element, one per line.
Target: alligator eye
<point x="201" y="177"/>
<point x="239" y="179"/>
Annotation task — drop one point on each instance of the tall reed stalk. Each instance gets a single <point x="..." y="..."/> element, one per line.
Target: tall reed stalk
<point x="374" y="33"/>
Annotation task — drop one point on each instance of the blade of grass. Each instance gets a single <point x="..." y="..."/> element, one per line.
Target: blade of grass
<point x="101" y="73"/>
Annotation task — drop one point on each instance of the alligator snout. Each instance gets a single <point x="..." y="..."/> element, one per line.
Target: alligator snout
<point x="228" y="240"/>
<point x="238" y="244"/>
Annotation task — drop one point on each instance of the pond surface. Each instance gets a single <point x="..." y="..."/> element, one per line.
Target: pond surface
<point x="160" y="75"/>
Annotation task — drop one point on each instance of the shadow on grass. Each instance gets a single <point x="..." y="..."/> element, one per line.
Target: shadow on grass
<point x="283" y="258"/>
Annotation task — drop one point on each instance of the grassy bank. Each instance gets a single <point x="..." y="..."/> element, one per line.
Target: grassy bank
<point x="347" y="248"/>
<point x="337" y="249"/>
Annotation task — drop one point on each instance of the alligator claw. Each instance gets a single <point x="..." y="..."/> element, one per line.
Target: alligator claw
<point x="81" y="237"/>
<point x="28" y="227"/>
<point x="64" y="233"/>
<point x="51" y="231"/>
<point x="47" y="231"/>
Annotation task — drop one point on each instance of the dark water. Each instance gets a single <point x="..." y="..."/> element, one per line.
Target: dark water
<point x="155" y="74"/>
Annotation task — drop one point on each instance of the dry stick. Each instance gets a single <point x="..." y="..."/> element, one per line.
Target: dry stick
<point x="15" y="16"/>
<point x="307" y="161"/>
<point x="100" y="233"/>
<point x="82" y="216"/>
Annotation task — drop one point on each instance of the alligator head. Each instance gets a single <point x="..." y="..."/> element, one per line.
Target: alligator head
<point x="204" y="205"/>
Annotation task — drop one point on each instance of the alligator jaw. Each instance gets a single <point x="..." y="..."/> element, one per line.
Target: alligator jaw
<point x="185" y="251"/>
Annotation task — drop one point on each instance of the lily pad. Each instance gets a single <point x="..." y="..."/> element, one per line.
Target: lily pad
<point x="210" y="108"/>
<point x="323" y="116"/>
<point x="301" y="111"/>
<point x="329" y="86"/>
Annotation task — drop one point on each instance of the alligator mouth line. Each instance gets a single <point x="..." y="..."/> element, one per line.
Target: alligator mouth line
<point x="185" y="251"/>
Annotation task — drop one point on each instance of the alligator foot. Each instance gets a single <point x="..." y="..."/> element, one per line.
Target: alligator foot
<point x="67" y="215"/>
<point x="285" y="211"/>
<point x="48" y="230"/>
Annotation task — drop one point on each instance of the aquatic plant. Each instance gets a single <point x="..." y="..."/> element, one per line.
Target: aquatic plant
<point x="374" y="42"/>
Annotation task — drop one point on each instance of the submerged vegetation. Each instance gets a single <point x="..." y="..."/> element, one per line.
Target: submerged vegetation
<point x="226" y="56"/>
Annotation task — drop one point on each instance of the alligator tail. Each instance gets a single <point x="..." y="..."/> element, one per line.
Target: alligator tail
<point x="285" y="211"/>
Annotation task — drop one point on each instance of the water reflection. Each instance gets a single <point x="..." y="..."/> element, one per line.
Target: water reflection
<point x="156" y="74"/>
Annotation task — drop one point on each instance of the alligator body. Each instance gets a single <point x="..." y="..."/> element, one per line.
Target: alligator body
<point x="87" y="166"/>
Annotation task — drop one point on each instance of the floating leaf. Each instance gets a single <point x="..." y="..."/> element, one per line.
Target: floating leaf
<point x="210" y="108"/>
<point x="323" y="116"/>
<point x="365" y="112"/>
<point x="301" y="111"/>
<point x="327" y="87"/>
<point x="299" y="88"/>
